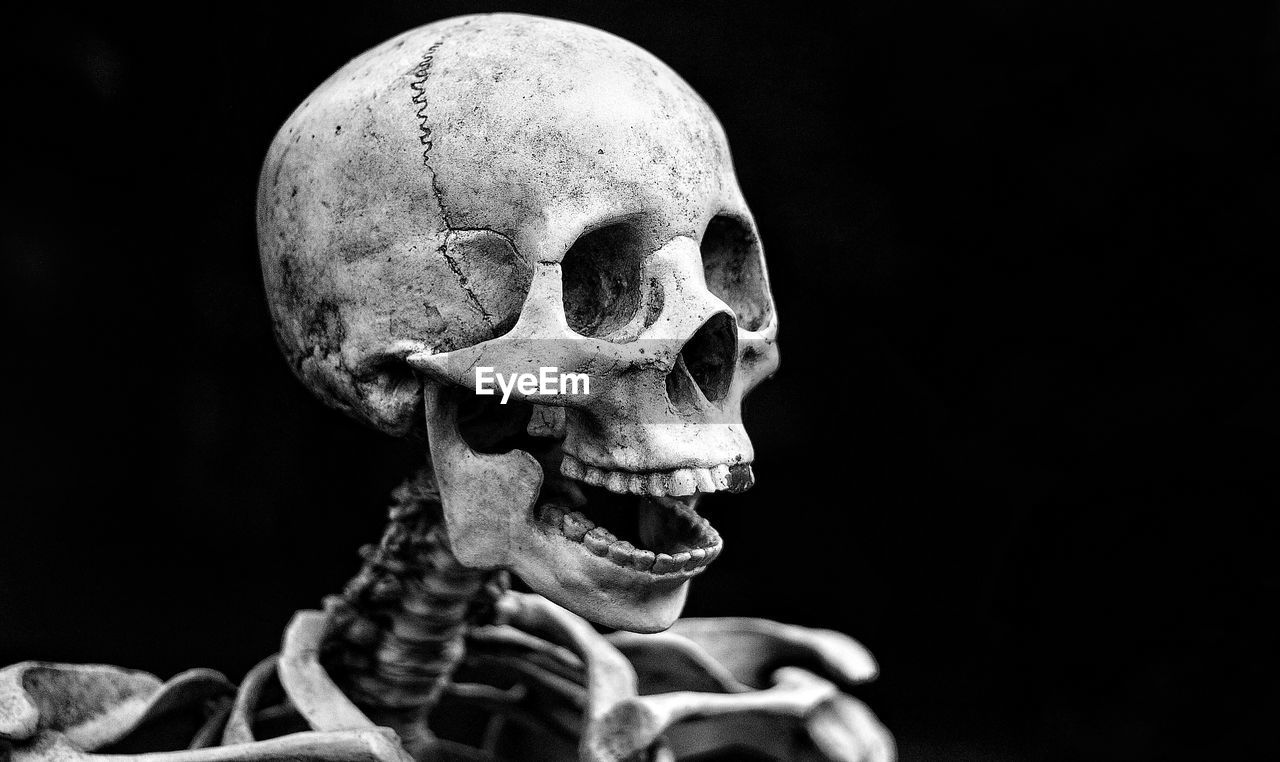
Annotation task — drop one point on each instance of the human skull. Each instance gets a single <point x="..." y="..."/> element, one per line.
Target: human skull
<point x="516" y="193"/>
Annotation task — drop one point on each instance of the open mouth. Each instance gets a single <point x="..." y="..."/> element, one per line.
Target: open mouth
<point x="643" y="521"/>
<point x="648" y="533"/>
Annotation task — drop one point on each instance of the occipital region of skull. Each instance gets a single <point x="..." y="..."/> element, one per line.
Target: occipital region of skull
<point x="518" y="193"/>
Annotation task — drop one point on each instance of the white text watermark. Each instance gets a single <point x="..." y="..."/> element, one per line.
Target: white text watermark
<point x="546" y="381"/>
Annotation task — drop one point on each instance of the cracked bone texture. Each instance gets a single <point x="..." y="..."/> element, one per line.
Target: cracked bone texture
<point x="408" y="203"/>
<point x="517" y="193"/>
<point x="521" y="193"/>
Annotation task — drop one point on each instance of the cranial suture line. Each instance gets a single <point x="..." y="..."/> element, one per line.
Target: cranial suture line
<point x="494" y="196"/>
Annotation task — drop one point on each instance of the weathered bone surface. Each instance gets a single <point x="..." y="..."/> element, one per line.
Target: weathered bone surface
<point x="506" y="195"/>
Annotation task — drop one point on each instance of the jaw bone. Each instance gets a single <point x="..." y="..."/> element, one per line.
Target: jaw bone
<point x="482" y="493"/>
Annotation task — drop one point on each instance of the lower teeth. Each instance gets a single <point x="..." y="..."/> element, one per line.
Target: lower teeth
<point x="601" y="542"/>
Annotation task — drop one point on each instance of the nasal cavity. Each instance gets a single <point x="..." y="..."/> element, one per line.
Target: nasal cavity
<point x="706" y="361"/>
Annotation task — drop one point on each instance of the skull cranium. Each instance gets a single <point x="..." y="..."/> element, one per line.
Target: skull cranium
<point x="519" y="193"/>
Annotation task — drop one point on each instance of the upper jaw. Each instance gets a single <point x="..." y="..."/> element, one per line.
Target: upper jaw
<point x="676" y="482"/>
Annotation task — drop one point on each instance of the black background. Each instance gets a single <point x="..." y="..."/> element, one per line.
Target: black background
<point x="1019" y="445"/>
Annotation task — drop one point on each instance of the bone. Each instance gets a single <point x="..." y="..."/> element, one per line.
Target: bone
<point x="750" y="647"/>
<point x="553" y="515"/>
<point x="307" y="683"/>
<point x="501" y="638"/>
<point x="96" y="705"/>
<point x="643" y="560"/>
<point x="483" y="493"/>
<point x="741" y="478"/>
<point x="633" y="725"/>
<point x="507" y="705"/>
<point x="373" y="745"/>
<point x="394" y="342"/>
<point x="679" y="482"/>
<point x="845" y="728"/>
<point x="706" y="482"/>
<point x="610" y="676"/>
<point x="601" y="542"/>
<point x="768" y="736"/>
<point x="547" y="421"/>
<point x="470" y="274"/>
<point x="665" y="662"/>
<point x="572" y="467"/>
<point x="594" y="476"/>
<point x="239" y="727"/>
<point x="622" y="553"/>
<point x="536" y="677"/>
<point x="720" y="475"/>
<point x="664" y="563"/>
<point x="576" y="526"/>
<point x="210" y="733"/>
<point x="98" y="701"/>
<point x="598" y="541"/>
<point x="799" y="715"/>
<point x="618" y="482"/>
<point x="713" y="540"/>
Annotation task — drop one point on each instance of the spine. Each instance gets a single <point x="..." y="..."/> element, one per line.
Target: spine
<point x="403" y="619"/>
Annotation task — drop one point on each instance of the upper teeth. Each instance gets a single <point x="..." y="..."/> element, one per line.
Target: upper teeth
<point x="676" y="482"/>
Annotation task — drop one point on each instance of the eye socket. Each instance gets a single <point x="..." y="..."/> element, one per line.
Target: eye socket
<point x="601" y="274"/>
<point x="734" y="269"/>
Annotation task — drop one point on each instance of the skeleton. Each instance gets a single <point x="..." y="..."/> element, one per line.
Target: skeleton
<point x="506" y="193"/>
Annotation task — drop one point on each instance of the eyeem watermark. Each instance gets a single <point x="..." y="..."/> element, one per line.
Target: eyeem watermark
<point x="545" y="381"/>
